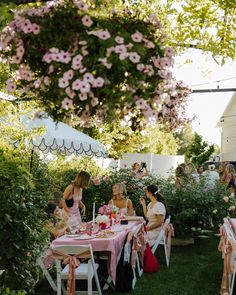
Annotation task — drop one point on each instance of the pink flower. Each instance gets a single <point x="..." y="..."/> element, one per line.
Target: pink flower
<point x="66" y="103"/>
<point x="165" y="62"/>
<point x="120" y="49"/>
<point x="140" y="67"/>
<point x="134" y="57"/>
<point x="156" y="61"/>
<point x="123" y="56"/>
<point x="101" y="34"/>
<point x="110" y="50"/>
<point x="50" y="69"/>
<point x="83" y="96"/>
<point x="88" y="77"/>
<point x="141" y="103"/>
<point x="20" y="51"/>
<point x="68" y="75"/>
<point x="84" y="87"/>
<point x="65" y="57"/>
<point x="137" y="37"/>
<point x="76" y="84"/>
<point x="104" y="35"/>
<point x="94" y="101"/>
<point x="169" y="52"/>
<point x="15" y="59"/>
<point x="86" y="20"/>
<point x="35" y="29"/>
<point x="63" y="83"/>
<point x="148" y="70"/>
<point x="11" y="86"/>
<point x="98" y="82"/>
<point x="149" y="44"/>
<point x="119" y="40"/>
<point x="47" y="58"/>
<point x="76" y="62"/>
<point x="105" y="63"/>
<point x="81" y="5"/>
<point x="96" y="181"/>
<point x="46" y="80"/>
<point x="70" y="92"/>
<point x="165" y="74"/>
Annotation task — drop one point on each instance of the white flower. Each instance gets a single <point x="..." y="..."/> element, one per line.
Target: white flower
<point x="231" y="208"/>
<point x="193" y="228"/>
<point x="214" y="211"/>
<point x="226" y="199"/>
<point x="102" y="219"/>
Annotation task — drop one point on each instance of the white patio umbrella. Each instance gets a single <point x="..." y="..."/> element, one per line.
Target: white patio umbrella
<point x="63" y="138"/>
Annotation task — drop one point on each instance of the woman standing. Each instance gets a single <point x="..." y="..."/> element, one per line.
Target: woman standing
<point x="155" y="212"/>
<point x="120" y="201"/>
<point x="72" y="198"/>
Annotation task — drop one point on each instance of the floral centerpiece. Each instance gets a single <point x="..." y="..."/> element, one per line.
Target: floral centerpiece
<point x="105" y="210"/>
<point x="92" y="68"/>
<point x="102" y="220"/>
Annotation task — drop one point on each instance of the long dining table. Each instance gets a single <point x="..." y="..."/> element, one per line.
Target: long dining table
<point x="112" y="243"/>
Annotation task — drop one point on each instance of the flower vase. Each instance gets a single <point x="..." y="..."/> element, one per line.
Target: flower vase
<point x="103" y="225"/>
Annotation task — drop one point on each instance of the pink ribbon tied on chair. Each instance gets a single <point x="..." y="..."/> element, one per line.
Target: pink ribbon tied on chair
<point x="138" y="246"/>
<point x="169" y="230"/>
<point x="226" y="247"/>
<point x="73" y="262"/>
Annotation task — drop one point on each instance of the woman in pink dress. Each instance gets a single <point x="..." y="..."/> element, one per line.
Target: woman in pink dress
<point x="120" y="201"/>
<point x="155" y="212"/>
<point x="72" y="198"/>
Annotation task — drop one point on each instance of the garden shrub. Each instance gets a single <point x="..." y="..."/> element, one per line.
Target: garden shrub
<point x="22" y="216"/>
<point x="196" y="206"/>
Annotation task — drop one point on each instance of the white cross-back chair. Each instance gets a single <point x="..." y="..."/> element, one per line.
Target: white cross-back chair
<point x="85" y="271"/>
<point x="231" y="236"/>
<point x="46" y="273"/>
<point x="162" y="240"/>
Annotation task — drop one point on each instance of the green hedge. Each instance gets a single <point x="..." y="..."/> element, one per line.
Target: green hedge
<point x="21" y="222"/>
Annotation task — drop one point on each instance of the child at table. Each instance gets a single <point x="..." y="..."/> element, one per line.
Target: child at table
<point x="119" y="200"/>
<point x="56" y="225"/>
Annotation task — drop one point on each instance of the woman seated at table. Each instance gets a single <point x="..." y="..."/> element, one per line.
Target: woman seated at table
<point x="120" y="200"/>
<point x="155" y="212"/>
<point x="56" y="225"/>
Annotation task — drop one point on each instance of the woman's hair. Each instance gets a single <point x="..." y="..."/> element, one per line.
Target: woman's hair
<point x="179" y="171"/>
<point x="122" y="188"/>
<point x="82" y="179"/>
<point x="155" y="191"/>
<point x="134" y="164"/>
<point x="50" y="209"/>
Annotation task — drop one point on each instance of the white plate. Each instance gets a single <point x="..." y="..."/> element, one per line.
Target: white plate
<point x="84" y="237"/>
<point x="117" y="229"/>
<point x="72" y="235"/>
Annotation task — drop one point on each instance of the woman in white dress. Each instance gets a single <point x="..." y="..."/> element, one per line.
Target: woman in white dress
<point x="119" y="199"/>
<point x="72" y="198"/>
<point x="155" y="212"/>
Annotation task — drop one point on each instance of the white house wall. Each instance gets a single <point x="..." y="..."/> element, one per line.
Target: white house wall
<point x="157" y="164"/>
<point x="228" y="131"/>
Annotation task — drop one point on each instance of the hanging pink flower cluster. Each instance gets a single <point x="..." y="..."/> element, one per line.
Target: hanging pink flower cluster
<point x="95" y="69"/>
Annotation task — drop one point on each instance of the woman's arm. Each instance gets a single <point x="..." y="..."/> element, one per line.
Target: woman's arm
<point x="158" y="223"/>
<point x="130" y="208"/>
<point x="82" y="207"/>
<point x="66" y="195"/>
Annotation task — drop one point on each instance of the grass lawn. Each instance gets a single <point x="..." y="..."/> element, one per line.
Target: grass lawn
<point x="194" y="270"/>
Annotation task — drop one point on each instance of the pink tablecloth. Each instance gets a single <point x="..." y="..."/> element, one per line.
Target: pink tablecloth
<point x="113" y="244"/>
